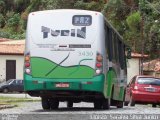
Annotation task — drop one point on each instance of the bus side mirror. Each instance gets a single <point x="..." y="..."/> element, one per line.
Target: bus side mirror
<point x="129" y="53"/>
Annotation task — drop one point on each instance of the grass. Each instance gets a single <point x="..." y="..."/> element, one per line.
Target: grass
<point x="14" y="101"/>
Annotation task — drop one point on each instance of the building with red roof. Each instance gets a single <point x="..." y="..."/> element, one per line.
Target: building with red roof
<point x="11" y="59"/>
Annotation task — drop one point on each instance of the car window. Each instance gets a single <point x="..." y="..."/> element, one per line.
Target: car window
<point x="149" y="81"/>
<point x="20" y="82"/>
<point x="8" y="81"/>
<point x="14" y="82"/>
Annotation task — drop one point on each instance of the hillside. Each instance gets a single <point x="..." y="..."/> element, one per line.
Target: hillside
<point x="138" y="21"/>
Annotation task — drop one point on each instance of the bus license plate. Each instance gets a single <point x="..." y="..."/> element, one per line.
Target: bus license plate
<point x="62" y="85"/>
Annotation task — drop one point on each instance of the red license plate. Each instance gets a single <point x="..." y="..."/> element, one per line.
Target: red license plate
<point x="62" y="85"/>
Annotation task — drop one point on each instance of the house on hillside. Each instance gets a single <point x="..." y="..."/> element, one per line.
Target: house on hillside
<point x="152" y="68"/>
<point x="11" y="59"/>
<point x="134" y="65"/>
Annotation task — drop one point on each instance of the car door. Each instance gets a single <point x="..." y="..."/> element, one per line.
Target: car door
<point x="132" y="84"/>
<point x="12" y="86"/>
<point x="20" y="86"/>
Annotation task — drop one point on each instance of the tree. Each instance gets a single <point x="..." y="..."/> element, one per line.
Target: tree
<point x="133" y="34"/>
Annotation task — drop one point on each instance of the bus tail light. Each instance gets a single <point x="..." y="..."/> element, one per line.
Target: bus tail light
<point x="99" y="64"/>
<point x="27" y="66"/>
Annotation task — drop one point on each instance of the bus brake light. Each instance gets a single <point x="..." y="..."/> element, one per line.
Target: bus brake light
<point x="27" y="64"/>
<point x="98" y="65"/>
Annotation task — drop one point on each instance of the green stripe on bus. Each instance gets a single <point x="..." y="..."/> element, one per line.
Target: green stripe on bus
<point x="41" y="66"/>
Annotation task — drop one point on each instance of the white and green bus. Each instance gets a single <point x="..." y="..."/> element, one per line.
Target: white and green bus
<point x="74" y="56"/>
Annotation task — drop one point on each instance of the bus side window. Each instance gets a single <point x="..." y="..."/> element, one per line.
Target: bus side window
<point x="109" y="43"/>
<point x="115" y="41"/>
<point x="121" y="54"/>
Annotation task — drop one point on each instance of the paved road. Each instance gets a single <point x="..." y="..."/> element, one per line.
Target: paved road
<point x="81" y="111"/>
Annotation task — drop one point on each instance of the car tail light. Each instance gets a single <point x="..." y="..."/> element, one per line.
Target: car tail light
<point x="99" y="64"/>
<point x="27" y="65"/>
<point x="136" y="87"/>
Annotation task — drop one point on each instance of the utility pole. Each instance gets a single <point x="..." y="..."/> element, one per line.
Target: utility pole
<point x="141" y="5"/>
<point x="142" y="43"/>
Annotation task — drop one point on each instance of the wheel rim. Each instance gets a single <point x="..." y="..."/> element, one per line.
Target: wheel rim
<point x="5" y="90"/>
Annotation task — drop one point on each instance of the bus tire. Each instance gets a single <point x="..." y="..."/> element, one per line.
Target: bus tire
<point x="54" y="104"/>
<point x="98" y="104"/>
<point x="106" y="104"/>
<point x="45" y="104"/>
<point x="69" y="104"/>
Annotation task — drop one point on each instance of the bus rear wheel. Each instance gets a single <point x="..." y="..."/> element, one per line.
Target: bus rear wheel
<point x="53" y="104"/>
<point x="69" y="104"/>
<point x="98" y="104"/>
<point x="106" y="104"/>
<point x="45" y="104"/>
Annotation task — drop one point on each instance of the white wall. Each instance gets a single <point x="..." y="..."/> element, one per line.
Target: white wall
<point x="132" y="68"/>
<point x="19" y="65"/>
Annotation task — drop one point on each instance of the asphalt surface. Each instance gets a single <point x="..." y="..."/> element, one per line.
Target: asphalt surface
<point x="80" y="111"/>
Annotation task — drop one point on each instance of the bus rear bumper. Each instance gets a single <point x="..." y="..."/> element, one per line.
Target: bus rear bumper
<point x="64" y="88"/>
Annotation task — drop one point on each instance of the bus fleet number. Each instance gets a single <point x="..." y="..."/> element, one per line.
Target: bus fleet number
<point x="85" y="53"/>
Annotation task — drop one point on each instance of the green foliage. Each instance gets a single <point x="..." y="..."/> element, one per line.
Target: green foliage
<point x="133" y="21"/>
<point x="2" y="21"/>
<point x="90" y="6"/>
<point x="2" y="6"/>
<point x="4" y="34"/>
<point x="124" y="15"/>
<point x="14" y="21"/>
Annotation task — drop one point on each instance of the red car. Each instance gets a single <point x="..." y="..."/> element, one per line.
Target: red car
<point x="143" y="90"/>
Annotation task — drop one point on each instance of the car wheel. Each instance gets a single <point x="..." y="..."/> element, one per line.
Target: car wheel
<point x="154" y="105"/>
<point x="5" y="90"/>
<point x="45" y="104"/>
<point x="119" y="104"/>
<point x="126" y="103"/>
<point x="132" y="102"/>
<point x="69" y="104"/>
